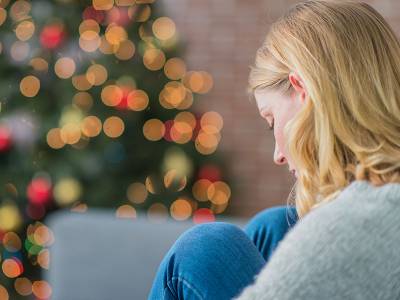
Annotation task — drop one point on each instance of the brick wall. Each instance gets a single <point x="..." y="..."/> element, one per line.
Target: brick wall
<point x="221" y="37"/>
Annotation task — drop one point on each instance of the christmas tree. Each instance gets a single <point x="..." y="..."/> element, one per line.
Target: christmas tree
<point x="97" y="110"/>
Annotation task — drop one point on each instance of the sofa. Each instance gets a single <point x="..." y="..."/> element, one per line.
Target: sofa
<point x="97" y="256"/>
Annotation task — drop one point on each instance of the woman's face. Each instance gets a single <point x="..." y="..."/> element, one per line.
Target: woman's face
<point x="277" y="110"/>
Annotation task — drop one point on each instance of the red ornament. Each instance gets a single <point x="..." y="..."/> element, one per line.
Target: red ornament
<point x="5" y="139"/>
<point x="210" y="172"/>
<point x="52" y="36"/>
<point x="39" y="191"/>
<point x="203" y="215"/>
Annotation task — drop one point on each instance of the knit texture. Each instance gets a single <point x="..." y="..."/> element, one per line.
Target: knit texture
<point x="346" y="249"/>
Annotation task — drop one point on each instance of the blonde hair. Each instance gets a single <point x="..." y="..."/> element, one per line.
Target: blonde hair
<point x="348" y="58"/>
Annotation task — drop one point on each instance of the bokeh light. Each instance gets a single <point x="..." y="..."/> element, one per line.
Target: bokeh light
<point x="39" y="64"/>
<point x="137" y="100"/>
<point x="102" y="4"/>
<point x="41" y="289"/>
<point x="181" y="209"/>
<point x="203" y="215"/>
<point x="115" y="34"/>
<point x="137" y="192"/>
<point x="154" y="129"/>
<point x="11" y="241"/>
<point x="81" y="83"/>
<point x="91" y="126"/>
<point x="23" y="286"/>
<point x="157" y="213"/>
<point x="200" y="189"/>
<point x="20" y="51"/>
<point x="4" y="293"/>
<point x="64" y="67"/>
<point x="96" y="74"/>
<point x="153" y="59"/>
<point x="140" y="14"/>
<point x="175" y="68"/>
<point x="12" y="267"/>
<point x="10" y="217"/>
<point x="43" y="259"/>
<point x="199" y="82"/>
<point x="70" y="133"/>
<point x="211" y="122"/>
<point x="153" y="184"/>
<point x="3" y="15"/>
<point x="25" y="30"/>
<point x="126" y="49"/>
<point x="54" y="139"/>
<point x="175" y="180"/>
<point x="20" y="10"/>
<point x="67" y="191"/>
<point x="113" y="127"/>
<point x="111" y="95"/>
<point x="219" y="192"/>
<point x="89" y="41"/>
<point x="83" y="100"/>
<point x="126" y="211"/>
<point x="29" y="86"/>
<point x="164" y="28"/>
<point x="79" y="207"/>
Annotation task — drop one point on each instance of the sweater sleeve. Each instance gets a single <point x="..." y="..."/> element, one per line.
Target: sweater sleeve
<point x="319" y="258"/>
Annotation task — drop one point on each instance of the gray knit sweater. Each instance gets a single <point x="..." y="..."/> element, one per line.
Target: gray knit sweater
<point x="346" y="249"/>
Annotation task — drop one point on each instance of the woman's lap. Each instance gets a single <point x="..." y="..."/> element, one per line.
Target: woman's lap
<point x="217" y="260"/>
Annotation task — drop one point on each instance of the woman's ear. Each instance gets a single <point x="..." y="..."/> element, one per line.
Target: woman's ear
<point x="297" y="84"/>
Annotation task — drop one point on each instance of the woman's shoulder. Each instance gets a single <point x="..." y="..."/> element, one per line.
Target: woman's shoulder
<point x="347" y="248"/>
<point x="360" y="213"/>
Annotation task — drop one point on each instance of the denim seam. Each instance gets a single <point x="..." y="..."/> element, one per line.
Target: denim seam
<point x="187" y="284"/>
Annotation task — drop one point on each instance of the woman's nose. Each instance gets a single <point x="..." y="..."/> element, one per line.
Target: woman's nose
<point x="279" y="158"/>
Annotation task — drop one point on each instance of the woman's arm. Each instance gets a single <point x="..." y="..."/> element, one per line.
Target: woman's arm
<point x="343" y="250"/>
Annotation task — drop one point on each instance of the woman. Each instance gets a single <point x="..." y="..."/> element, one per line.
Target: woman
<point x="327" y="79"/>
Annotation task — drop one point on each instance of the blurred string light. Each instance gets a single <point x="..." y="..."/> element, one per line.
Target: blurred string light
<point x="137" y="193"/>
<point x="67" y="191"/>
<point x="79" y="207"/>
<point x="157" y="213"/>
<point x="64" y="67"/>
<point x="12" y="267"/>
<point x="30" y="86"/>
<point x="25" y="30"/>
<point x="23" y="286"/>
<point x="10" y="217"/>
<point x="126" y="211"/>
<point x="41" y="289"/>
<point x="4" y="293"/>
<point x="39" y="64"/>
<point x="181" y="209"/>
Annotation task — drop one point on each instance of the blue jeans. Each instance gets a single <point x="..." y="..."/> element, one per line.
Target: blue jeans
<point x="217" y="260"/>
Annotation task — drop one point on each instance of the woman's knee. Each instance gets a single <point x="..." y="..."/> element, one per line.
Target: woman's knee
<point x="209" y="256"/>
<point x="208" y="235"/>
<point x="268" y="227"/>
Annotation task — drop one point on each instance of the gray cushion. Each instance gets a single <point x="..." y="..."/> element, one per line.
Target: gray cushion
<point x="98" y="256"/>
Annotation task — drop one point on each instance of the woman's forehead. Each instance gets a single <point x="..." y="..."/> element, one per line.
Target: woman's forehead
<point x="264" y="98"/>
